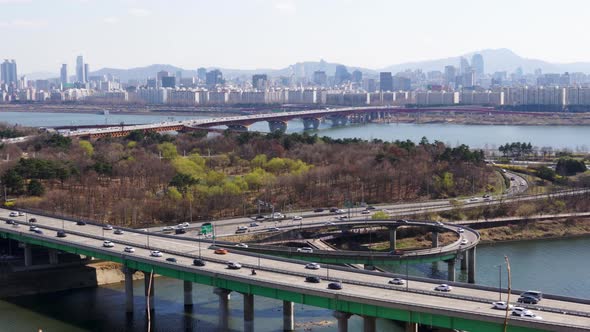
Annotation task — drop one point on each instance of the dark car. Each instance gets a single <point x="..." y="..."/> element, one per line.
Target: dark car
<point x="61" y="234"/>
<point x="397" y="252"/>
<point x="528" y="299"/>
<point x="318" y="210"/>
<point x="171" y="259"/>
<point x="198" y="262"/>
<point x="33" y="220"/>
<point x="536" y="294"/>
<point x="118" y="232"/>
<point x="80" y="223"/>
<point x="179" y="231"/>
<point x="335" y="285"/>
<point x="370" y="207"/>
<point x="260" y="218"/>
<point x="312" y="279"/>
<point x="334" y="209"/>
<point x="206" y="224"/>
<point x="38" y="231"/>
<point x="10" y="222"/>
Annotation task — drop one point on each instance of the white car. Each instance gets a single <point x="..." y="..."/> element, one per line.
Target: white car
<point x="464" y="242"/>
<point x="329" y="223"/>
<point x="397" y="281"/>
<point x="242" y="245"/>
<point x="312" y="266"/>
<point x="461" y="230"/>
<point x="168" y="229"/>
<point x="108" y="244"/>
<point x="107" y="227"/>
<point x="443" y="288"/>
<point x="501" y="305"/>
<point x="517" y="311"/>
<point x="306" y="250"/>
<point x="156" y="253"/>
<point x="473" y="199"/>
<point x="129" y="249"/>
<point x="365" y="212"/>
<point x="21" y="214"/>
<point x="184" y="224"/>
<point x="530" y="315"/>
<point x="234" y="266"/>
<point x="242" y="228"/>
<point x="296" y="218"/>
<point x="13" y="214"/>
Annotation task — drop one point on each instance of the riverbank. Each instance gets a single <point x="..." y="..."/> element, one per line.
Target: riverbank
<point x="533" y="119"/>
<point x="123" y="110"/>
<point x="535" y="230"/>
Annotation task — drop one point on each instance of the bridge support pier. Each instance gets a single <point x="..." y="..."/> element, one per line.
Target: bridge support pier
<point x="464" y="261"/>
<point x="149" y="290"/>
<point x="369" y="324"/>
<point x="237" y="127"/>
<point x="53" y="259"/>
<point x="248" y="313"/>
<point x="188" y="294"/>
<point x="128" y="289"/>
<point x="342" y="318"/>
<point x="435" y="239"/>
<point x="451" y="270"/>
<point x="280" y="126"/>
<point x="471" y="266"/>
<point x="411" y="327"/>
<point x="392" y="237"/>
<point x="339" y="120"/>
<point x="288" y="316"/>
<point x="311" y="123"/>
<point x="224" y="295"/>
<point x="28" y="254"/>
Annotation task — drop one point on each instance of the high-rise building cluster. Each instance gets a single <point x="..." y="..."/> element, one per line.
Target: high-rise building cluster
<point x="465" y="82"/>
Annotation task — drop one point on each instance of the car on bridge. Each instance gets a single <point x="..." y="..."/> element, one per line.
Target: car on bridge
<point x="33" y="220"/>
<point x="10" y="222"/>
<point x="38" y="231"/>
<point x="524" y="313"/>
<point x="234" y="265"/>
<point x="198" y="262"/>
<point x="80" y="223"/>
<point x="61" y="234"/>
<point x="365" y="212"/>
<point x="241" y="245"/>
<point x="306" y="250"/>
<point x="171" y="260"/>
<point x="21" y="214"/>
<point x="312" y="279"/>
<point x="460" y="230"/>
<point x="318" y="210"/>
<point x="221" y="251"/>
<point x="107" y="227"/>
<point x="168" y="229"/>
<point x="335" y="285"/>
<point x="501" y="305"/>
<point x="108" y="244"/>
<point x="312" y="266"/>
<point x="273" y="229"/>
<point x="297" y="218"/>
<point x="129" y="249"/>
<point x="464" y="242"/>
<point x="397" y="281"/>
<point x="443" y="288"/>
<point x="254" y="224"/>
<point x="13" y="214"/>
<point x="397" y="252"/>
<point x="528" y="299"/>
<point x="33" y="228"/>
<point x="155" y="253"/>
<point x="533" y="293"/>
<point x="179" y="231"/>
<point x="118" y="232"/>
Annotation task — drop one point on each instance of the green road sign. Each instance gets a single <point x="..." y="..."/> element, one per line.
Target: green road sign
<point x="206" y="229"/>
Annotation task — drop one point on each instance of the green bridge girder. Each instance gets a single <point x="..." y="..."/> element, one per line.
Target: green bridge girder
<point x="337" y="303"/>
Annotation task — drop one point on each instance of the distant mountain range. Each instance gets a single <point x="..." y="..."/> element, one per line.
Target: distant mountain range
<point x="494" y="60"/>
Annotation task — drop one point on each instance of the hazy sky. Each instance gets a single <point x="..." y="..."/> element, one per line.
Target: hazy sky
<point x="248" y="34"/>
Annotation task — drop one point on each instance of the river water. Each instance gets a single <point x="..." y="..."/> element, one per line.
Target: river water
<point x="552" y="266"/>
<point x="575" y="138"/>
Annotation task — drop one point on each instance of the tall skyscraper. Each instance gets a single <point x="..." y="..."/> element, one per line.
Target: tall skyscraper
<point x="80" y="75"/>
<point x="385" y="81"/>
<point x="464" y="65"/>
<point x="9" y="75"/>
<point x="477" y="64"/>
<point x="320" y="78"/>
<point x="357" y="76"/>
<point x="341" y="75"/>
<point x="202" y="74"/>
<point x="63" y="74"/>
<point x="86" y="72"/>
<point x="259" y="81"/>
<point x="214" y="77"/>
<point x="450" y="74"/>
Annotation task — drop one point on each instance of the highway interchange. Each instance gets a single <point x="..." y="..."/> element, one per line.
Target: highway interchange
<point x="358" y="285"/>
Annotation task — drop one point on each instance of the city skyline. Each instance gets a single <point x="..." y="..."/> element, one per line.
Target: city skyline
<point x="132" y="33"/>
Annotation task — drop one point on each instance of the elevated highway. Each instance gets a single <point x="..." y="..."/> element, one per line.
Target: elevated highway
<point x="364" y="293"/>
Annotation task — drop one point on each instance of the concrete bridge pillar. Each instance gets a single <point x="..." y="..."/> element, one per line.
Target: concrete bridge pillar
<point x="28" y="254"/>
<point x="248" y="313"/>
<point x="149" y="290"/>
<point x="451" y="270"/>
<point x="280" y="126"/>
<point x="435" y="239"/>
<point x="53" y="259"/>
<point x="311" y="123"/>
<point x="342" y="318"/>
<point x="471" y="266"/>
<point x="464" y="261"/>
<point x="188" y="294"/>
<point x="288" y="316"/>
<point x="369" y="324"/>
<point x="411" y="327"/>
<point x="224" y="295"/>
<point x="128" y="289"/>
<point x="392" y="237"/>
